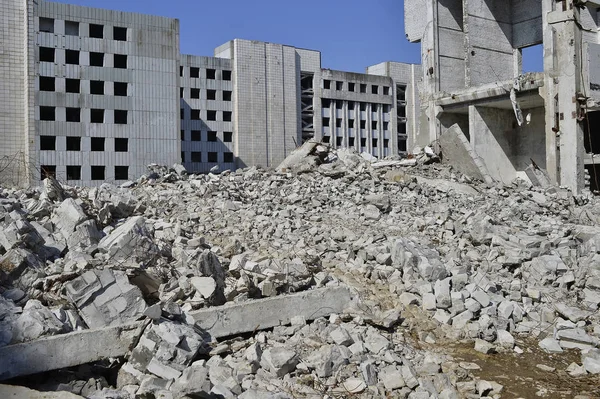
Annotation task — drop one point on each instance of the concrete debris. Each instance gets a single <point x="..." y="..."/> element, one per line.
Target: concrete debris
<point x="312" y="280"/>
<point x="105" y="298"/>
<point x="458" y="152"/>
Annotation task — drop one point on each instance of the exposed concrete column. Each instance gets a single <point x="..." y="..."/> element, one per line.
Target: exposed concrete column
<point x="429" y="57"/>
<point x="568" y="69"/>
<point x="548" y="92"/>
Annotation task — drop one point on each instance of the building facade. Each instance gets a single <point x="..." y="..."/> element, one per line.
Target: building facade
<point x="97" y="95"/>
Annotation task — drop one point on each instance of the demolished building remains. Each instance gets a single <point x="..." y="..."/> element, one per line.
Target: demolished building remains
<point x="472" y="78"/>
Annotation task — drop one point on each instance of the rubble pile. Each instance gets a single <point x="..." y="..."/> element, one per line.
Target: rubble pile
<point x="431" y="256"/>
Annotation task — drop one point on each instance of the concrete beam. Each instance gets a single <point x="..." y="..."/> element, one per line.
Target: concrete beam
<point x="265" y="313"/>
<point x="67" y="350"/>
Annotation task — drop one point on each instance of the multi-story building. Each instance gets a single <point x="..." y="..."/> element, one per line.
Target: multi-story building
<point x="96" y="95"/>
<point x="206" y="98"/>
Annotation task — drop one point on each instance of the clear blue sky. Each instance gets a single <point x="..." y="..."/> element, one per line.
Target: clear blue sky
<point x="349" y="35"/>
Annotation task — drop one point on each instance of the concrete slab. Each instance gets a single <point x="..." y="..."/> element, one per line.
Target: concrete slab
<point x="15" y="392"/>
<point x="270" y="312"/>
<point x="66" y="350"/>
<point x="457" y="152"/>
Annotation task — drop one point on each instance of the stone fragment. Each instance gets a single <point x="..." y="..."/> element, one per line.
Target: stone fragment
<point x="591" y="361"/>
<point x="279" y="361"/>
<point x="406" y="298"/>
<point x="429" y="301"/>
<point x="391" y="378"/>
<point x="341" y="337"/>
<point x="376" y="342"/>
<point x="550" y="345"/>
<point x="484" y="347"/>
<point x="205" y="286"/>
<point x="35" y="321"/>
<point x="442" y="293"/>
<point x="130" y="243"/>
<point x="105" y="298"/>
<point x="571" y="313"/>
<point x="505" y="339"/>
<point x="460" y="320"/>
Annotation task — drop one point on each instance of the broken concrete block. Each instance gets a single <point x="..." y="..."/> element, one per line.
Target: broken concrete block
<point x="130" y="243"/>
<point x="105" y="298"/>
<point x="576" y="338"/>
<point x="441" y="289"/>
<point x="35" y="321"/>
<point x="68" y="216"/>
<point x="458" y="152"/>
<point x="341" y="337"/>
<point x="166" y="348"/>
<point x="571" y="313"/>
<point x="484" y="347"/>
<point x="279" y="361"/>
<point x="591" y="361"/>
<point x="193" y="381"/>
<point x="391" y="378"/>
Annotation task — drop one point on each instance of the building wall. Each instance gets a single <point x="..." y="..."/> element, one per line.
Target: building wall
<point x="266" y="102"/>
<point x="131" y="79"/>
<point x="206" y="106"/>
<point x="406" y="112"/>
<point x="357" y="112"/>
<point x="14" y="100"/>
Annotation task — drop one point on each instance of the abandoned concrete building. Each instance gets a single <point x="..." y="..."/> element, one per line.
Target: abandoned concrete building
<point x="473" y="83"/>
<point x="95" y="95"/>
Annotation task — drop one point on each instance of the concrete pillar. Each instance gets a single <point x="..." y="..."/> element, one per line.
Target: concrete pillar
<point x="548" y="92"/>
<point x="568" y="53"/>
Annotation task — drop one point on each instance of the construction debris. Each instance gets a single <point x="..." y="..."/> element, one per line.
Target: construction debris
<point x="335" y="275"/>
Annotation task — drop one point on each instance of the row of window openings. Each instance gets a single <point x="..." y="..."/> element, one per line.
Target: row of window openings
<point x="74" y="86"/>
<point x="210" y="94"/>
<point x="48" y="143"/>
<point x="210" y="115"/>
<point x="48" y="54"/>
<point x="363" y="124"/>
<point x="351" y="141"/>
<point x="339" y="85"/>
<point x="210" y="73"/>
<point x="96" y="172"/>
<point x="326" y="103"/>
<point x="72" y="29"/>
<point x="213" y="157"/>
<point x="196" y="135"/>
<point x="74" y="115"/>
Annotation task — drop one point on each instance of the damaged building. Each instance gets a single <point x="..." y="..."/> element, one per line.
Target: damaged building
<point x="473" y="85"/>
<point x="96" y="95"/>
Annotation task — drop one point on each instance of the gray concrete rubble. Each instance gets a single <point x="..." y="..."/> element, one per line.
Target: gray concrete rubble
<point x="305" y="282"/>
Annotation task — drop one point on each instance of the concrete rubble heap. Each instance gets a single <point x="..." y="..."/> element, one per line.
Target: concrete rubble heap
<point x="430" y="257"/>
